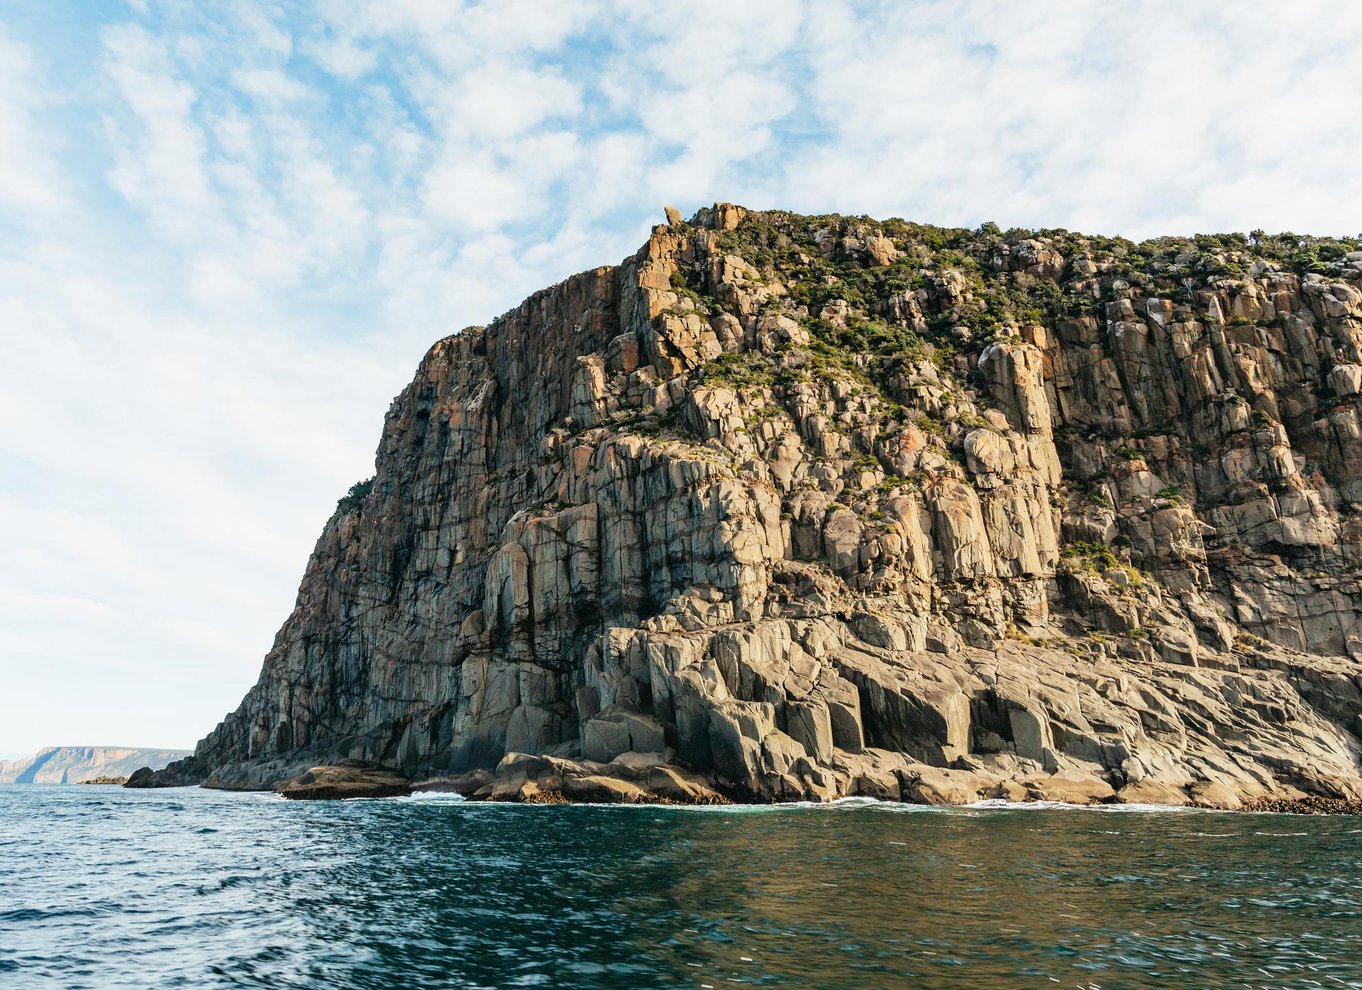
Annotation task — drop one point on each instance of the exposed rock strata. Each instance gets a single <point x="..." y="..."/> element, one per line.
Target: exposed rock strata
<point x="815" y="507"/>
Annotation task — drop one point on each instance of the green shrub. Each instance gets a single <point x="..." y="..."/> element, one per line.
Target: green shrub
<point x="352" y="499"/>
<point x="746" y="369"/>
<point x="1089" y="555"/>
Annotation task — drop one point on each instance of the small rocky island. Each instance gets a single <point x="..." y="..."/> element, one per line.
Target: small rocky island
<point x="796" y="508"/>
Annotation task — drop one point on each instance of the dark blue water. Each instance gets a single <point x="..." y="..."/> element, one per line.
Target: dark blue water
<point x="103" y="888"/>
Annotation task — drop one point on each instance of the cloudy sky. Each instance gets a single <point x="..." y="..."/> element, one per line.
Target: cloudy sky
<point x="228" y="232"/>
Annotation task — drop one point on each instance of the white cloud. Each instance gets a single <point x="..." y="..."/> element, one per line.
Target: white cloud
<point x="270" y="85"/>
<point x="499" y="100"/>
<point x="160" y="164"/>
<point x="30" y="184"/>
<point x="458" y="34"/>
<point x="478" y="193"/>
<point x="207" y="302"/>
<point x="1118" y="119"/>
<point x="261" y="29"/>
<point x="342" y="57"/>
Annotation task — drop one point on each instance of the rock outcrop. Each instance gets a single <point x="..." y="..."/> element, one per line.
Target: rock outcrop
<point x="349" y="779"/>
<point x="81" y="764"/>
<point x="807" y="507"/>
<point x="630" y="778"/>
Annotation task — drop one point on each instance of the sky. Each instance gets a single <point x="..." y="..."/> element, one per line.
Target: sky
<point x="229" y="231"/>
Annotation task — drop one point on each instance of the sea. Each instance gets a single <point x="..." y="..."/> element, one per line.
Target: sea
<point x="105" y="888"/>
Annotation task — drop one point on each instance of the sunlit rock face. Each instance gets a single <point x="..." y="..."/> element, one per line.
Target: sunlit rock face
<point x="816" y="506"/>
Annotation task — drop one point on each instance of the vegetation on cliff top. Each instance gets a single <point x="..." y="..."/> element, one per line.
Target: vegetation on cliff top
<point x="355" y="496"/>
<point x="877" y="299"/>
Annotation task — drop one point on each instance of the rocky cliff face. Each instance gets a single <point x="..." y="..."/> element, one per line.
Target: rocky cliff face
<point x="73" y="764"/>
<point x="821" y="506"/>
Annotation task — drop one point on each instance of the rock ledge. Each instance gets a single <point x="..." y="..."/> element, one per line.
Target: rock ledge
<point x="351" y="779"/>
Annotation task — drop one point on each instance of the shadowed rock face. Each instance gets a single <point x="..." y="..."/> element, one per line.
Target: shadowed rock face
<point x="819" y="506"/>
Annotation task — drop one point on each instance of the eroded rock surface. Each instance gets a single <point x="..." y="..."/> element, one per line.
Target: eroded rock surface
<point x="814" y="506"/>
<point x="349" y="779"/>
<point x="630" y="778"/>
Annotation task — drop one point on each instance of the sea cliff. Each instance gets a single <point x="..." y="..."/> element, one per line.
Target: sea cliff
<point x="794" y="507"/>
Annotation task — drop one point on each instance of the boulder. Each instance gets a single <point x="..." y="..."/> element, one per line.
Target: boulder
<point x="1069" y="789"/>
<point x="346" y="780"/>
<point x="599" y="789"/>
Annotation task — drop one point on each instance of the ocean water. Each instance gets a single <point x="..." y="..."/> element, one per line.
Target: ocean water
<point x="103" y="888"/>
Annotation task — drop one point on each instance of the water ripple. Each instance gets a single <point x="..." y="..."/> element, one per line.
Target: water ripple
<point x="201" y="889"/>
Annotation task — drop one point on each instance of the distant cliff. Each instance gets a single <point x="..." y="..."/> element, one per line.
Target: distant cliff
<point x="72" y="764"/>
<point x="815" y="506"/>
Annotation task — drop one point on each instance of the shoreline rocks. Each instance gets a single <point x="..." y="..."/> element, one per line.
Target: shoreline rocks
<point x="635" y="778"/>
<point x="350" y="779"/>
<point x="649" y="778"/>
<point x="1309" y="805"/>
<point x="182" y="773"/>
<point x="652" y="779"/>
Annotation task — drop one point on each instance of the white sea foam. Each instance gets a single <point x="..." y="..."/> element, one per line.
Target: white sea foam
<point x="839" y="805"/>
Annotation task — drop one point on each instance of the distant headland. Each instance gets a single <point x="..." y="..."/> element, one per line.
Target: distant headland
<point x="79" y="764"/>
